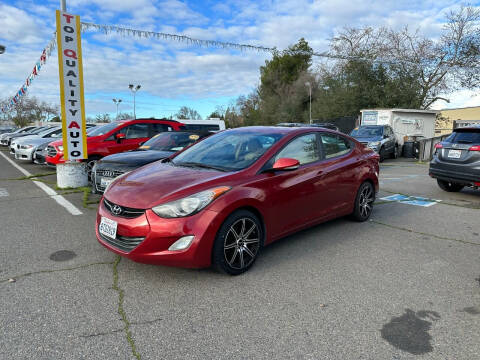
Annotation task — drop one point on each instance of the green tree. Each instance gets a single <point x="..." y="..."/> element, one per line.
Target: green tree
<point x="281" y="94"/>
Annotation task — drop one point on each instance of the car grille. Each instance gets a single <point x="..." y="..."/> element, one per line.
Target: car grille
<point x="124" y="243"/>
<point x="122" y="211"/>
<point x="51" y="151"/>
<point x="108" y="173"/>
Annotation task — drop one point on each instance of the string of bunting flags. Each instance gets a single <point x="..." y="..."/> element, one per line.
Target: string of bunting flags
<point x="46" y="52"/>
<point x="124" y="31"/>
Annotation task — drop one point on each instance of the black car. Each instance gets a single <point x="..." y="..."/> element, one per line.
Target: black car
<point x="380" y="138"/>
<point x="456" y="161"/>
<point x="157" y="148"/>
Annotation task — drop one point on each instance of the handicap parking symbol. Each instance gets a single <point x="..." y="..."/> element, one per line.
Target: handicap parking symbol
<point x="411" y="200"/>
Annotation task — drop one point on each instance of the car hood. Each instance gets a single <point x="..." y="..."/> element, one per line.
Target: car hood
<point x="34" y="140"/>
<point x="159" y="182"/>
<point x="136" y="157"/>
<point x="27" y="138"/>
<point x="368" y="138"/>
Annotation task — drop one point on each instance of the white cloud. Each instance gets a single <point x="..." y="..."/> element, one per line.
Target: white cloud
<point x="173" y="70"/>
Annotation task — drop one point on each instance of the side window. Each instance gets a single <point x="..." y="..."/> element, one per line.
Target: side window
<point x="334" y="145"/>
<point x="158" y="128"/>
<point x="304" y="148"/>
<point x="136" y="131"/>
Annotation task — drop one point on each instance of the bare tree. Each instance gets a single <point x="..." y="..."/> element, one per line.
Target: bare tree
<point x="440" y="66"/>
<point x="188" y="113"/>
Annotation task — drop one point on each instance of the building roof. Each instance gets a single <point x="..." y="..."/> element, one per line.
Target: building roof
<point x="405" y="110"/>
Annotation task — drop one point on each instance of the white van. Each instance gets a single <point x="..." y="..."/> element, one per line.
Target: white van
<point x="213" y="125"/>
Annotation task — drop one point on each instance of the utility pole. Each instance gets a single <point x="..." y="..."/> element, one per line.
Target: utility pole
<point x="310" y="92"/>
<point x="117" y="102"/>
<point x="134" y="90"/>
<point x="63" y="5"/>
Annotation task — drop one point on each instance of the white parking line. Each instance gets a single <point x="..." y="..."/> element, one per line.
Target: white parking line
<point x="3" y="192"/>
<point x="72" y="209"/>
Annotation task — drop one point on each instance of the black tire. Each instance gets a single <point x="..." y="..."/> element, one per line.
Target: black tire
<point x="382" y="154"/>
<point x="363" y="202"/>
<point x="239" y="237"/>
<point x="449" y="186"/>
<point x="394" y="154"/>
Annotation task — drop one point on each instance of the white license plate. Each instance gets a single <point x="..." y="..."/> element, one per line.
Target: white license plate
<point x="454" y="154"/>
<point x="108" y="228"/>
<point x="105" y="181"/>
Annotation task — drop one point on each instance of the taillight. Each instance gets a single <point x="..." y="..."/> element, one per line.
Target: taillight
<point x="475" y="148"/>
<point x="438" y="146"/>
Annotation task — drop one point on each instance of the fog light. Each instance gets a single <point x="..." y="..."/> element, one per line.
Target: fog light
<point x="182" y="243"/>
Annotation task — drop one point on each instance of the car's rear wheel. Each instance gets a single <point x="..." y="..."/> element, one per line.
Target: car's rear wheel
<point x="449" y="186"/>
<point x="237" y="243"/>
<point x="364" y="202"/>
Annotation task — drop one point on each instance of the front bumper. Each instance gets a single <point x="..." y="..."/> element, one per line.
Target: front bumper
<point x="54" y="160"/>
<point x="24" y="154"/>
<point x="159" y="234"/>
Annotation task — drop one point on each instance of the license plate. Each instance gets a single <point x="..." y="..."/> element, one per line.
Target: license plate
<point x="108" y="228"/>
<point x="454" y="154"/>
<point x="105" y="181"/>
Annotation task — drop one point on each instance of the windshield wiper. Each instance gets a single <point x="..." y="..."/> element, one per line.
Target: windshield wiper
<point x="200" y="165"/>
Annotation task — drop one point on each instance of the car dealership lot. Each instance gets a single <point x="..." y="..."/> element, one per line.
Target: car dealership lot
<point x="404" y="285"/>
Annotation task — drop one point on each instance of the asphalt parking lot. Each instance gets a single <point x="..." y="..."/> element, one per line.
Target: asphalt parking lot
<point x="404" y="285"/>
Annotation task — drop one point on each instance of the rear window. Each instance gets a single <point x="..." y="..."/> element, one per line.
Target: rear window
<point x="465" y="137"/>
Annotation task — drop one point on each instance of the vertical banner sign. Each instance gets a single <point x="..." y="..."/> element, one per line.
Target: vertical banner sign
<point x="71" y="86"/>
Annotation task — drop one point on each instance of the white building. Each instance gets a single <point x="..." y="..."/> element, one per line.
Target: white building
<point x="405" y="122"/>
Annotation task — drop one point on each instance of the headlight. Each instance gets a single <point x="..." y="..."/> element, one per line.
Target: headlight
<point x="60" y="147"/>
<point x="373" y="143"/>
<point x="26" y="146"/>
<point x="189" y="205"/>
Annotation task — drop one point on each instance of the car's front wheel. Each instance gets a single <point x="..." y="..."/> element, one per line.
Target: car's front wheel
<point x="364" y="202"/>
<point x="237" y="243"/>
<point x="394" y="154"/>
<point x="449" y="186"/>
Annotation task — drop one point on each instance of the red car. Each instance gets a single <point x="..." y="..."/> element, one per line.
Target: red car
<point x="113" y="138"/>
<point x="224" y="198"/>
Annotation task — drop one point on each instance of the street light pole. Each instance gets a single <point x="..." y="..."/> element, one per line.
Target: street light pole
<point x="134" y="90"/>
<point x="63" y="5"/>
<point x="310" y="93"/>
<point x="117" y="102"/>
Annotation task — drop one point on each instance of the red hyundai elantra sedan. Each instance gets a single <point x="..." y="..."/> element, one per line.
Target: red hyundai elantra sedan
<point x="224" y="198"/>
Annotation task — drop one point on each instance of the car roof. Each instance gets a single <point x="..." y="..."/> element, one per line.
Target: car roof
<point x="280" y="129"/>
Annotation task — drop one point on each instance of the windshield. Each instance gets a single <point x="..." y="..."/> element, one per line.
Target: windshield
<point x="46" y="131"/>
<point x="228" y="151"/>
<point x="171" y="141"/>
<point x="465" y="137"/>
<point x="367" y="131"/>
<point x="37" y="130"/>
<point x="101" y="130"/>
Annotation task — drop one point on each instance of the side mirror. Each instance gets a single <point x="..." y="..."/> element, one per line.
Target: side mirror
<point x="385" y="136"/>
<point x="286" y="164"/>
<point x="120" y="136"/>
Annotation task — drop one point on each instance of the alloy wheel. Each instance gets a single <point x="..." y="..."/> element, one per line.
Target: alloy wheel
<point x="241" y="243"/>
<point x="365" y="202"/>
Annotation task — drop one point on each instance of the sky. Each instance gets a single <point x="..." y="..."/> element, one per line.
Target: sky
<point x="174" y="74"/>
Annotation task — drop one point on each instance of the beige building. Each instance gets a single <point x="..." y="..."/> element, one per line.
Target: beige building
<point x="446" y="117"/>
